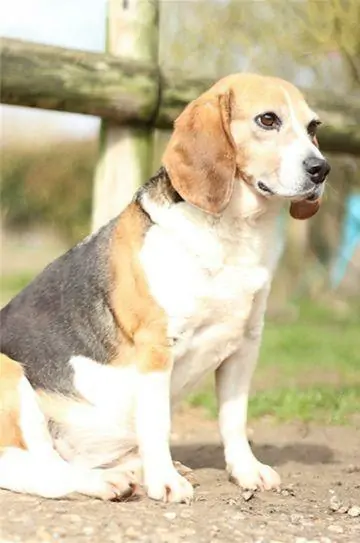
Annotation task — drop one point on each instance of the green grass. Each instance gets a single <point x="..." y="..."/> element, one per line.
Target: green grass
<point x="309" y="370"/>
<point x="11" y="284"/>
<point x="319" y="338"/>
<point x="320" y="403"/>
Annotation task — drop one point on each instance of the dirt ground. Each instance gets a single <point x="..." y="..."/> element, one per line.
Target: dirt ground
<point x="320" y="470"/>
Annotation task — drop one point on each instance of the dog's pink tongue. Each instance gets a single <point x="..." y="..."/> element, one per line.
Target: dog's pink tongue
<point x="304" y="209"/>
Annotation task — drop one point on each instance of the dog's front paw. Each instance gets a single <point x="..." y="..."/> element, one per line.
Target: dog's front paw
<point x="170" y="487"/>
<point x="254" y="475"/>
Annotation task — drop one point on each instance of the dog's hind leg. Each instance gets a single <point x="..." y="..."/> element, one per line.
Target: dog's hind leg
<point x="28" y="461"/>
<point x="51" y="477"/>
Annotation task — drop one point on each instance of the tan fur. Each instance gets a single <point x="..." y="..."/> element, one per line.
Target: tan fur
<point x="249" y="90"/>
<point x="201" y="156"/>
<point x="10" y="432"/>
<point x="142" y="322"/>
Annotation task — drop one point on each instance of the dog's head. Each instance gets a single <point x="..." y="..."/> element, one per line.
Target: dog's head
<point x="253" y="129"/>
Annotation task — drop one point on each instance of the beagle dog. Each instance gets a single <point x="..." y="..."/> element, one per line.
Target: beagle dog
<point x="103" y="343"/>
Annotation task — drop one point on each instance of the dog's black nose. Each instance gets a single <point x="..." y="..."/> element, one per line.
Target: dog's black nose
<point x="317" y="168"/>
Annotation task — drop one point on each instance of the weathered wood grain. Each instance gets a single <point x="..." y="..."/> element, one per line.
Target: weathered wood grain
<point x="136" y="93"/>
<point x="48" y="77"/>
<point x="132" y="30"/>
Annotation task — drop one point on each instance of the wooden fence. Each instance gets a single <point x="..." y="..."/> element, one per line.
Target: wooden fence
<point x="133" y="96"/>
<point x="131" y="92"/>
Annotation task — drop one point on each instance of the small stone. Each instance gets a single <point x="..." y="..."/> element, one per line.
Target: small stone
<point x="334" y="503"/>
<point x="181" y="468"/>
<point x="187" y="472"/>
<point x="186" y="513"/>
<point x="201" y="498"/>
<point x="59" y="532"/>
<point x="132" y="533"/>
<point x="170" y="515"/>
<point x="238" y="516"/>
<point x="352" y="468"/>
<point x="88" y="530"/>
<point x="42" y="535"/>
<point x="248" y="494"/>
<point x="288" y="491"/>
<point x="343" y="509"/>
<point x="295" y="518"/>
<point x="231" y="501"/>
<point x="335" y="528"/>
<point x="188" y="532"/>
<point x="73" y="518"/>
<point x="354" y="511"/>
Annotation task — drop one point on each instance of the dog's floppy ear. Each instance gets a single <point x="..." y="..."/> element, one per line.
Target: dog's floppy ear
<point x="304" y="209"/>
<point x="200" y="156"/>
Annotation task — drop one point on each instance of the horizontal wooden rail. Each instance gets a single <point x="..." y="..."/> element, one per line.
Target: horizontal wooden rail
<point x="47" y="77"/>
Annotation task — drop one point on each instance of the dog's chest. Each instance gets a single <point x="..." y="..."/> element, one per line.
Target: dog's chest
<point x="207" y="292"/>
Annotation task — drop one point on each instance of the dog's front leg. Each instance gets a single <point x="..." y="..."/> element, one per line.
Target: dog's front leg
<point x="153" y="422"/>
<point x="233" y="379"/>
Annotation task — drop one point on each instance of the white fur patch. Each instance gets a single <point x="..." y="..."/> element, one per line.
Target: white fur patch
<point x="103" y="430"/>
<point x="205" y="273"/>
<point x="32" y="421"/>
<point x="103" y="385"/>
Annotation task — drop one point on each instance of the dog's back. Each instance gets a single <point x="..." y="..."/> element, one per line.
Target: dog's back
<point x="40" y="324"/>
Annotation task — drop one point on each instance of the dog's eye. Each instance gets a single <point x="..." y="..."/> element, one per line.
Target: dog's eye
<point x="268" y="120"/>
<point x="312" y="127"/>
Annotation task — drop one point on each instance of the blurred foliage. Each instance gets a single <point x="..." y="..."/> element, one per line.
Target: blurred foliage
<point x="309" y="41"/>
<point x="50" y="186"/>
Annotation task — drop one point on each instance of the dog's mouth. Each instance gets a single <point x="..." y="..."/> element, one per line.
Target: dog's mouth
<point x="311" y="196"/>
<point x="314" y="196"/>
<point x="264" y="188"/>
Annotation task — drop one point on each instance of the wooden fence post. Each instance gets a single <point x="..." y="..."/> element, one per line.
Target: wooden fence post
<point x="125" y="152"/>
